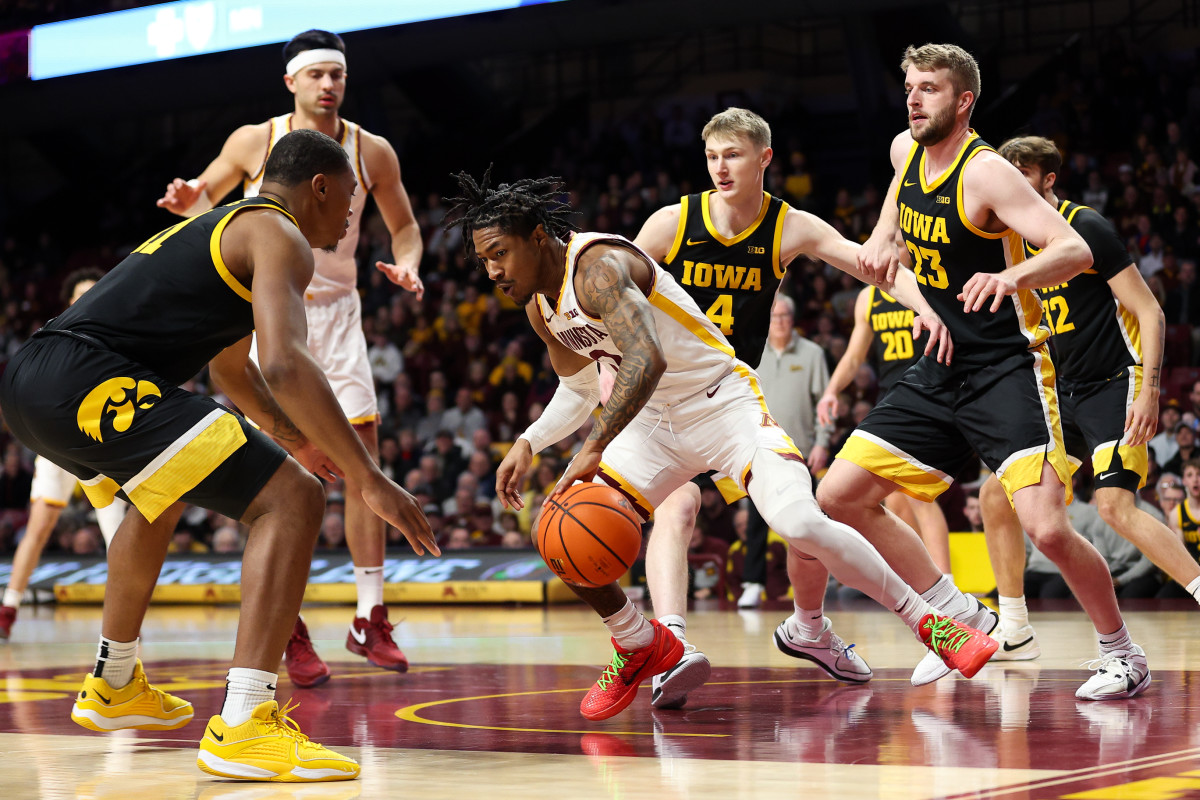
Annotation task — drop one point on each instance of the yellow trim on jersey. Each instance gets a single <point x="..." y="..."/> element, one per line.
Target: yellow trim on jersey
<point x="562" y="290"/>
<point x="914" y="479"/>
<point x="780" y="270"/>
<point x="1131" y="331"/>
<point x="637" y="497"/>
<point x="363" y="420"/>
<point x="708" y="223"/>
<point x="248" y="182"/>
<point x="962" y="207"/>
<point x="214" y="249"/>
<point x="187" y="467"/>
<point x="689" y="322"/>
<point x="1026" y="468"/>
<point x="100" y="490"/>
<point x="940" y="179"/>
<point x="1181" y="511"/>
<point x="679" y="228"/>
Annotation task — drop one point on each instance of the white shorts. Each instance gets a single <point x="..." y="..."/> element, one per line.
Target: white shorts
<point x="717" y="429"/>
<point x="54" y="486"/>
<point x="51" y="483"/>
<point x="336" y="341"/>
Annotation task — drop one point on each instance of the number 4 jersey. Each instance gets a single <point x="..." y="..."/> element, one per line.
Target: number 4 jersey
<point x="1095" y="337"/>
<point x="947" y="249"/>
<point x="732" y="280"/>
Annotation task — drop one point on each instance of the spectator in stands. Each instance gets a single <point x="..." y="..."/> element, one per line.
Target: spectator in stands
<point x="481" y="466"/>
<point x="227" y="539"/>
<point x="971" y="510"/>
<point x="1170" y="493"/>
<point x="457" y="538"/>
<point x="431" y="421"/>
<point x="333" y="531"/>
<point x="465" y="418"/>
<point x="183" y="540"/>
<point x="1096" y="193"/>
<point x="1183" y="302"/>
<point x="16" y="479"/>
<point x="385" y="359"/>
<point x="87" y="542"/>
<point x="1185" y="439"/>
<point x="508" y="421"/>
<point x="1163" y="444"/>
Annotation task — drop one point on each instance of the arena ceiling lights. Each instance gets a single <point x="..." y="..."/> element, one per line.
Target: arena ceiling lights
<point x="177" y="30"/>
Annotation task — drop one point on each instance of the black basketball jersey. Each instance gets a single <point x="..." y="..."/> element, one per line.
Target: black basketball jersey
<point x="732" y="280"/>
<point x="172" y="305"/>
<point x="947" y="249"/>
<point x="892" y="347"/>
<point x="1095" y="337"/>
<point x="1189" y="527"/>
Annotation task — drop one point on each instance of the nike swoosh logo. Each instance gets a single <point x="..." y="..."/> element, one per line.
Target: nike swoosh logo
<point x="220" y="737"/>
<point x="107" y="702"/>
<point x="359" y="636"/>
<point x="714" y="391"/>
<point x="910" y="183"/>
<point x="1009" y="647"/>
<point x="876" y="303"/>
<point x="1104" y="475"/>
<point x="269" y="686"/>
<point x="690" y="243"/>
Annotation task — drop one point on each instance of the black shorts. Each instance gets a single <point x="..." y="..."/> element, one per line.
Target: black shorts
<point x="1093" y="419"/>
<point x="122" y="430"/>
<point x="926" y="428"/>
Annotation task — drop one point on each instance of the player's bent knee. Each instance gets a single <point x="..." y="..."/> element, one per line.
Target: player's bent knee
<point x="294" y="491"/>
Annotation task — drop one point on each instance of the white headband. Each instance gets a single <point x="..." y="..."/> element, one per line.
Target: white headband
<point x="309" y="57"/>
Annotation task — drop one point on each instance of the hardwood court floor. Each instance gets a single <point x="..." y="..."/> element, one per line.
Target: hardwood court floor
<point x="490" y="709"/>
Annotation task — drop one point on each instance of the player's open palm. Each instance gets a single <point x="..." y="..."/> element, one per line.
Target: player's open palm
<point x="400" y="510"/>
<point x="827" y="408"/>
<point x="511" y="473"/>
<point x="181" y="195"/>
<point x="983" y="285"/>
<point x="405" y="277"/>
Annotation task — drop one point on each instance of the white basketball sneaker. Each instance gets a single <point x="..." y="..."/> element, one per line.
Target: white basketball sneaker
<point x="1119" y="674"/>
<point x="827" y="651"/>
<point x="931" y="667"/>
<point x="670" y="689"/>
<point x="1018" y="644"/>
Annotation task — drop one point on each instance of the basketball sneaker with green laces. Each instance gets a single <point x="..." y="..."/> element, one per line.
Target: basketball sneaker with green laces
<point x="958" y="645"/>
<point x="618" y="684"/>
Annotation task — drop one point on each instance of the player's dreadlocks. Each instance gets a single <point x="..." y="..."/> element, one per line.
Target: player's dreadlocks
<point x="516" y="208"/>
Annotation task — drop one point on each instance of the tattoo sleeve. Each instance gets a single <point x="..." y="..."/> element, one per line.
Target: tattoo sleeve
<point x="606" y="288"/>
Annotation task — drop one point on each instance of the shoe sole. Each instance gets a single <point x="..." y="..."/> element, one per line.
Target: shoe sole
<point x="358" y="650"/>
<point x="786" y="649"/>
<point x="94" y="721"/>
<point x="673" y="657"/>
<point x="1026" y="653"/>
<point x="682" y="679"/>
<point x="224" y="768"/>
<point x="1141" y="687"/>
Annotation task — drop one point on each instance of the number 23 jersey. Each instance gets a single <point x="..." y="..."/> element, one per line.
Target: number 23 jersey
<point x="732" y="280"/>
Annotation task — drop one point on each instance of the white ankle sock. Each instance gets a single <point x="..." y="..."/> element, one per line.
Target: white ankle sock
<point x="676" y="623"/>
<point x="369" y="581"/>
<point x="808" y="622"/>
<point x="946" y="598"/>
<point x="12" y="598"/>
<point x="1013" y="613"/>
<point x="245" y="689"/>
<point x="1117" y="640"/>
<point x="1193" y="589"/>
<point x="115" y="662"/>
<point x="912" y="610"/>
<point x="630" y="629"/>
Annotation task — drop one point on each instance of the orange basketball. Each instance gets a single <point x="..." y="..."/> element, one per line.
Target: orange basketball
<point x="589" y="535"/>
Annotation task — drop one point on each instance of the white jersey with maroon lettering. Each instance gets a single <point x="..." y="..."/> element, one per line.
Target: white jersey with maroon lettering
<point x="336" y="273"/>
<point x="697" y="353"/>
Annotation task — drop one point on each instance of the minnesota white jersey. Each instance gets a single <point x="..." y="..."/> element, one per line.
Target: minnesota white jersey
<point x="697" y="353"/>
<point x="337" y="272"/>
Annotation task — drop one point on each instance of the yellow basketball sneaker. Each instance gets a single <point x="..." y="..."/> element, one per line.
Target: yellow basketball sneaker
<point x="137" y="705"/>
<point x="269" y="747"/>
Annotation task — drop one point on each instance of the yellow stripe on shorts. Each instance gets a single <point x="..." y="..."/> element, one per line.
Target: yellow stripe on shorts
<point x="880" y="457"/>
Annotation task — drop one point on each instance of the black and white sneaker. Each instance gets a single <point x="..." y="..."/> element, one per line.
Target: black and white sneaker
<point x="670" y="689"/>
<point x="1019" y="644"/>
<point x="827" y="651"/>
<point x="1119" y="674"/>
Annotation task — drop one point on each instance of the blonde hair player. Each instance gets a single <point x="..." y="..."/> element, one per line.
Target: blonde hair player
<point x="315" y="74"/>
<point x="961" y="211"/>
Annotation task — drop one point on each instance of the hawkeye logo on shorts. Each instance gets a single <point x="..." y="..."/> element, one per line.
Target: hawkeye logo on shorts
<point x="117" y="399"/>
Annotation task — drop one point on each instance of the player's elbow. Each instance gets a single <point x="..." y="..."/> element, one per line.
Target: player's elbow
<point x="281" y="371"/>
<point x="1080" y="255"/>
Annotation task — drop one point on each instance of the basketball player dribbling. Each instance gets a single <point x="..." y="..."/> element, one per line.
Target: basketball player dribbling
<point x="315" y="73"/>
<point x="681" y="404"/>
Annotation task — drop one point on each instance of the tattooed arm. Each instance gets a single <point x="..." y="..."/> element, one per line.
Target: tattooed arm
<point x="1131" y="290"/>
<point x="611" y="283"/>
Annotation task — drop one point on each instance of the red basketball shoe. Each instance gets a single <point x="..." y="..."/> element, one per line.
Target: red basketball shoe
<point x="304" y="666"/>
<point x="960" y="646"/>
<point x="8" y="615"/>
<point x="618" y="684"/>
<point x="372" y="639"/>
